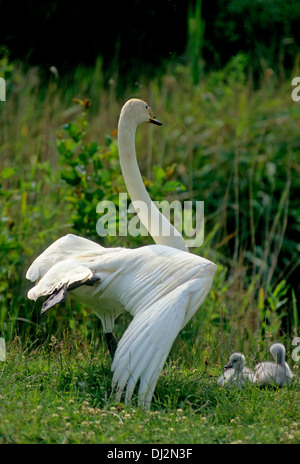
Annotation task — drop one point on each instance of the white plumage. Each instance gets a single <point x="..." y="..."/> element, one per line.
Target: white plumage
<point x="161" y="285"/>
<point x="274" y="373"/>
<point x="236" y="373"/>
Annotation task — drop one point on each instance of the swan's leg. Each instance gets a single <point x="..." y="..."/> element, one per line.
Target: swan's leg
<point x="111" y="343"/>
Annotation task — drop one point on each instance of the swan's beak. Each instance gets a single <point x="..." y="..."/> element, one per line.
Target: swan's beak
<point x="228" y="366"/>
<point x="153" y="120"/>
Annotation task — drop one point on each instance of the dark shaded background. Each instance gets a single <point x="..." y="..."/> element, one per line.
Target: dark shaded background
<point x="136" y="33"/>
<point x="65" y="33"/>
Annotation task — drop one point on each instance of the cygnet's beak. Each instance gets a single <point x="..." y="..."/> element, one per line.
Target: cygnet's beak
<point x="153" y="120"/>
<point x="228" y="366"/>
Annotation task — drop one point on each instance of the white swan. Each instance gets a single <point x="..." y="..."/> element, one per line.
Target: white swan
<point x="236" y="372"/>
<point x="274" y="373"/>
<point x="160" y="286"/>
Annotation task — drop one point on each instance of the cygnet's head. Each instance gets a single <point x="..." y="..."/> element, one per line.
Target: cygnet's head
<point x="236" y="361"/>
<point x="278" y="352"/>
<point x="137" y="111"/>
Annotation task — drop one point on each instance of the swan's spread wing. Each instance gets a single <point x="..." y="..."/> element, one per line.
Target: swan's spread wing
<point x="145" y="345"/>
<point x="160" y="286"/>
<point x="61" y="278"/>
<point x="65" y="248"/>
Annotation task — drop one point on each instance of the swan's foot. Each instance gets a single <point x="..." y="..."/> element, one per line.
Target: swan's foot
<point x="111" y="343"/>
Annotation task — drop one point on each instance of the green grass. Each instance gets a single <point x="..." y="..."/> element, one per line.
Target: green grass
<point x="62" y="394"/>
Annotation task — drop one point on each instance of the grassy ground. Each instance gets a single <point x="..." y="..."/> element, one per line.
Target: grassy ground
<point x="62" y="394"/>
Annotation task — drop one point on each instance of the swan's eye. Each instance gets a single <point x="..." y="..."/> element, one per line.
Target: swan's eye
<point x="146" y="107"/>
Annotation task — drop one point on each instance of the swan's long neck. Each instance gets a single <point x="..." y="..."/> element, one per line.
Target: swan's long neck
<point x="156" y="223"/>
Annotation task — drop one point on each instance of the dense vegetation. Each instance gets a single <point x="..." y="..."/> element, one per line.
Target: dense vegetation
<point x="230" y="137"/>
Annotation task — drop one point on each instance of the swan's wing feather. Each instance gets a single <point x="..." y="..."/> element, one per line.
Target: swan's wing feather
<point x="288" y="371"/>
<point x="68" y="247"/>
<point x="225" y="377"/>
<point x="146" y="344"/>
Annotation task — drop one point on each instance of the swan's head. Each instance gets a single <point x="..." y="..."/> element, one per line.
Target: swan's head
<point x="278" y="352"/>
<point x="236" y="361"/>
<point x="137" y="111"/>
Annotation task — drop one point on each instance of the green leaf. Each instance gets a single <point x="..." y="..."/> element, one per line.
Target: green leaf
<point x="159" y="173"/>
<point x="173" y="185"/>
<point x="91" y="148"/>
<point x="66" y="147"/>
<point x="108" y="140"/>
<point x="70" y="176"/>
<point x="73" y="130"/>
<point x="7" y="172"/>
